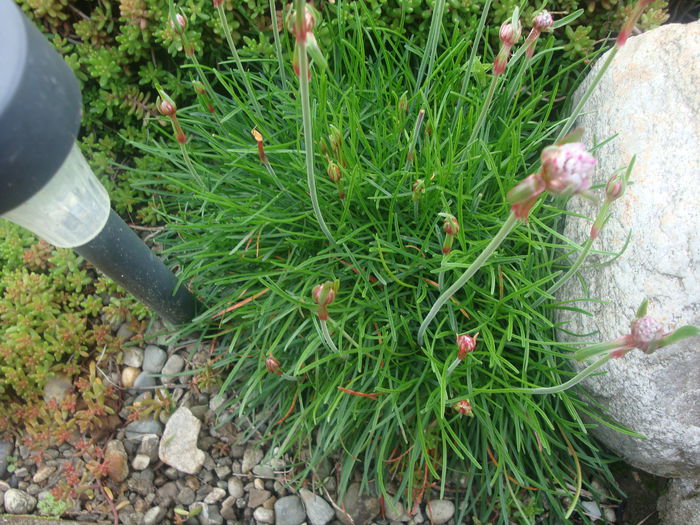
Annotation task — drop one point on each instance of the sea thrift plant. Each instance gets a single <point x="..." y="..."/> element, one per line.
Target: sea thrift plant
<point x="370" y="325"/>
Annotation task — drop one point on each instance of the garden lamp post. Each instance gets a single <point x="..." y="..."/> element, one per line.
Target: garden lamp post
<point x="47" y="186"/>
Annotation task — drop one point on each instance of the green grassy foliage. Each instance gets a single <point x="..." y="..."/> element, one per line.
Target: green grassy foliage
<point x="251" y="248"/>
<point x="119" y="49"/>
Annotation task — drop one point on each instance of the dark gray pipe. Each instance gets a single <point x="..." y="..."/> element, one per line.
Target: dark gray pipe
<point x="123" y="257"/>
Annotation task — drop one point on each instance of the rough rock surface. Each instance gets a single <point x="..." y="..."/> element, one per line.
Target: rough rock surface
<point x="178" y="446"/>
<point x="649" y="98"/>
<point x="318" y="511"/>
<point x="362" y="509"/>
<point x="19" y="502"/>
<point x="681" y="503"/>
<point x="289" y="511"/>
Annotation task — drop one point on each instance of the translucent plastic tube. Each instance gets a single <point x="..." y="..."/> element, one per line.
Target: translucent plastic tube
<point x="70" y="210"/>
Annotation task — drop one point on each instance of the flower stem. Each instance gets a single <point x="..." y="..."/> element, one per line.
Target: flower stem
<point x="234" y="53"/>
<point x="508" y="226"/>
<point x="586" y="95"/>
<point x="278" y="45"/>
<point x="482" y="115"/>
<point x="601" y="348"/>
<point x="599" y="221"/>
<point x="300" y="6"/>
<point x="583" y="374"/>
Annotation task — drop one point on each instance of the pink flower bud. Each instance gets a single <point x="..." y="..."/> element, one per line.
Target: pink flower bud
<point x="273" y="365"/>
<point x="418" y="189"/>
<point x="644" y="331"/>
<point x="166" y="108"/>
<point x="217" y="3"/>
<point x="199" y="88"/>
<point x="509" y="34"/>
<point x="464" y="407"/>
<point x="524" y="195"/>
<point x="450" y="226"/>
<point x="567" y="168"/>
<point x="466" y="344"/>
<point x="323" y="295"/>
<point x="542" y="21"/>
<point x="179" y="24"/>
<point x="334" y="172"/>
<point x="614" y="189"/>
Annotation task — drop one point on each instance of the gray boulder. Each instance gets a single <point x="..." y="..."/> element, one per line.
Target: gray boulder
<point x="649" y="98"/>
<point x="680" y="505"/>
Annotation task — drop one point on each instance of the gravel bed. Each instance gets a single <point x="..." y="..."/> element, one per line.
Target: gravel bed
<point x="179" y="468"/>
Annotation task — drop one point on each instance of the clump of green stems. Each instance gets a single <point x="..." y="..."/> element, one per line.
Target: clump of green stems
<point x="360" y="388"/>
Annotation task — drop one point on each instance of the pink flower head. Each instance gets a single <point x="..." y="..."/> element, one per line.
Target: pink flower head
<point x="466" y="344"/>
<point x="464" y="407"/>
<point x="644" y="332"/>
<point x="543" y="21"/>
<point x="567" y="168"/>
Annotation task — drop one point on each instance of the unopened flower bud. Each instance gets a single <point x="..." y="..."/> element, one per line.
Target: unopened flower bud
<point x="199" y="88"/>
<point x="418" y="189"/>
<point x="614" y="188"/>
<point x="334" y="172"/>
<point x="273" y="365"/>
<point x="167" y="108"/>
<point x="179" y="24"/>
<point x="217" y="3"/>
<point x="509" y="34"/>
<point x="335" y="139"/>
<point x="466" y="344"/>
<point x="567" y="168"/>
<point x="323" y="295"/>
<point x="464" y="407"/>
<point x="644" y="332"/>
<point x="543" y="21"/>
<point x="450" y="226"/>
<point x="403" y="104"/>
<point x="524" y="195"/>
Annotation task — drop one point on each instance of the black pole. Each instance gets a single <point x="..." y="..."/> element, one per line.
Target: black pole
<point x="123" y="257"/>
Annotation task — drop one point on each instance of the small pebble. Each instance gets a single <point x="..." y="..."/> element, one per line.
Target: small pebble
<point x="263" y="515"/>
<point x="153" y="359"/>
